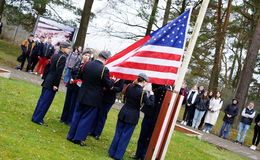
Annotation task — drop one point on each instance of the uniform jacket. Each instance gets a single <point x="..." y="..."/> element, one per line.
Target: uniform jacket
<point x="232" y="110"/>
<point x="25" y="47"/>
<point x="202" y="104"/>
<point x="47" y="51"/>
<point x="130" y="111"/>
<point x="215" y="106"/>
<point x="38" y="49"/>
<point x="56" y="69"/>
<point x="193" y="98"/>
<point x="159" y="94"/>
<point x="247" y="115"/>
<point x="110" y="95"/>
<point x="95" y="76"/>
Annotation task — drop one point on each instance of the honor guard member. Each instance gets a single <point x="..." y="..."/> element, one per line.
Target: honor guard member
<point x="51" y="83"/>
<point x="95" y="76"/>
<point x="149" y="121"/>
<point x="73" y="88"/>
<point x="109" y="99"/>
<point x="129" y="115"/>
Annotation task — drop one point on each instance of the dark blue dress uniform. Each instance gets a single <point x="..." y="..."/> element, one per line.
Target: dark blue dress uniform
<point x="71" y="95"/>
<point x="52" y="79"/>
<point x="108" y="100"/>
<point x="127" y="119"/>
<point x="149" y="121"/>
<point x="95" y="77"/>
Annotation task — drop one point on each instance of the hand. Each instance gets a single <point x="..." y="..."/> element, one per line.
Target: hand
<point x="55" y="88"/>
<point x="71" y="81"/>
<point x="188" y="104"/>
<point x="151" y="93"/>
<point x="39" y="57"/>
<point x="113" y="78"/>
<point x="258" y="123"/>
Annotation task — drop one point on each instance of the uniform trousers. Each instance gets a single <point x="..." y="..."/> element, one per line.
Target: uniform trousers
<point x="69" y="105"/>
<point x="99" y="124"/>
<point x="82" y="121"/>
<point x="146" y="132"/>
<point x="43" y="104"/>
<point x="123" y="134"/>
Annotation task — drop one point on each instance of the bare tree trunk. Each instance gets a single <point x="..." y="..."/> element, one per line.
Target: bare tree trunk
<point x="248" y="69"/>
<point x="2" y="5"/>
<point x="167" y="12"/>
<point x="220" y="41"/>
<point x="183" y="6"/>
<point x="80" y="40"/>
<point x="152" y="18"/>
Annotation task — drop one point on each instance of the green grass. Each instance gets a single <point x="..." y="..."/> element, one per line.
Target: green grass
<point x="21" y="139"/>
<point x="8" y="54"/>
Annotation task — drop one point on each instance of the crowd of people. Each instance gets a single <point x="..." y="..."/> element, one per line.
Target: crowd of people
<point x="202" y="108"/>
<point x="91" y="92"/>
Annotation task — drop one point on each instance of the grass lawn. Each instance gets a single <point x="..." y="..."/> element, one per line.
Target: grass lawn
<point x="8" y="54"/>
<point x="21" y="139"/>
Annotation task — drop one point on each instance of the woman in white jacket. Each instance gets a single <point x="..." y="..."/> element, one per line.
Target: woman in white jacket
<point x="211" y="118"/>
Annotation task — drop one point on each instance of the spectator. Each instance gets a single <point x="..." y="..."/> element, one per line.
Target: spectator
<point x="1" y="25"/>
<point x="202" y="106"/>
<point x="37" y="51"/>
<point x="211" y="118"/>
<point x="72" y="59"/>
<point x="231" y="112"/>
<point x="191" y="98"/>
<point x="201" y="90"/>
<point x="248" y="115"/>
<point x="256" y="137"/>
<point x="203" y="118"/>
<point x="44" y="57"/>
<point x="27" y="48"/>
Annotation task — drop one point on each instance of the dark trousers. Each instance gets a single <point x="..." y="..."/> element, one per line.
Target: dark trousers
<point x="69" y="105"/>
<point x="256" y="138"/>
<point x="123" y="134"/>
<point x="82" y="121"/>
<point x="32" y="61"/>
<point x="189" y="114"/>
<point x="43" y="104"/>
<point x="23" y="62"/>
<point x="146" y="132"/>
<point x="99" y="124"/>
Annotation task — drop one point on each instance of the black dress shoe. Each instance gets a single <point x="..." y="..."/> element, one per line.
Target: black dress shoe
<point x="81" y="143"/>
<point x="134" y="157"/>
<point x="41" y="123"/>
<point x="71" y="140"/>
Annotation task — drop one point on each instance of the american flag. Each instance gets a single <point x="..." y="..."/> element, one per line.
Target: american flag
<point x="157" y="55"/>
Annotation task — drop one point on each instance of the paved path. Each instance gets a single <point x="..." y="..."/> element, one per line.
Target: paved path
<point x="210" y="138"/>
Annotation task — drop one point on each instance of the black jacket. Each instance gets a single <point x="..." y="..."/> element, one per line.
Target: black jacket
<point x="247" y="120"/>
<point x="130" y="111"/>
<point x="202" y="104"/>
<point x="47" y="51"/>
<point x="95" y="76"/>
<point x="233" y="111"/>
<point x="159" y="94"/>
<point x="55" y="72"/>
<point x="110" y="95"/>
<point x="76" y="75"/>
<point x="38" y="49"/>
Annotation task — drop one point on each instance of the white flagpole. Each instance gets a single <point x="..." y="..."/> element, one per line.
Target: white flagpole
<point x="179" y="81"/>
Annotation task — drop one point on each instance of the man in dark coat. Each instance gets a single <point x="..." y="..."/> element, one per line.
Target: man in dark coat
<point x="50" y="84"/>
<point x="107" y="102"/>
<point x="44" y="56"/>
<point x="37" y="51"/>
<point x="231" y="112"/>
<point x="149" y="121"/>
<point x="95" y="76"/>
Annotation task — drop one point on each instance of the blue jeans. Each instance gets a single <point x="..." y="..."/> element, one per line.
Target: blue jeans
<point x="67" y="75"/>
<point x="242" y="130"/>
<point x="208" y="127"/>
<point x="197" y="118"/>
<point x="226" y="126"/>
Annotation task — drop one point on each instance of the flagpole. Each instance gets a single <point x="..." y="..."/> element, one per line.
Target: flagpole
<point x="161" y="147"/>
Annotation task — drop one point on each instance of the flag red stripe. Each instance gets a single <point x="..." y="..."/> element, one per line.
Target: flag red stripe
<point x="151" y="79"/>
<point x="129" y="49"/>
<point x="149" y="67"/>
<point x="158" y="55"/>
